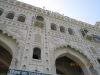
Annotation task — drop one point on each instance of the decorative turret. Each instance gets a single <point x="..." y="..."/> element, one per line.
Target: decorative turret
<point x="97" y="24"/>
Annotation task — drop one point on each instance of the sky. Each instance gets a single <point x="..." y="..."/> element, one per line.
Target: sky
<point x="83" y="10"/>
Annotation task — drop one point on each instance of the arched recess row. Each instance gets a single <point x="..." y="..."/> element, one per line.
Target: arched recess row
<point x="8" y="50"/>
<point x="75" y="56"/>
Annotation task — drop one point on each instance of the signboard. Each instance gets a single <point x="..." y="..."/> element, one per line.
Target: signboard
<point x="21" y="72"/>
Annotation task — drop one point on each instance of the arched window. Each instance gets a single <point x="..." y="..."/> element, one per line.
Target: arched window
<point x="53" y="26"/>
<point x="98" y="61"/>
<point x="36" y="53"/>
<point x="1" y="11"/>
<point x="39" y="22"/>
<point x="62" y="29"/>
<point x="96" y="38"/>
<point x="71" y="32"/>
<point x="21" y="18"/>
<point x="83" y="32"/>
<point x="40" y="18"/>
<point x="10" y="15"/>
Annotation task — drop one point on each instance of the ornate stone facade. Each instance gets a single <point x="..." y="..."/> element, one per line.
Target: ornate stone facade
<point x="39" y="40"/>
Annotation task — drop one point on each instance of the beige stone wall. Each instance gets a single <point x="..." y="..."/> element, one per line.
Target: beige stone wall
<point x="52" y="43"/>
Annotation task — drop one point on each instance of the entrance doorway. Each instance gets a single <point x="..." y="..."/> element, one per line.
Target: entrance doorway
<point x="5" y="60"/>
<point x="66" y="66"/>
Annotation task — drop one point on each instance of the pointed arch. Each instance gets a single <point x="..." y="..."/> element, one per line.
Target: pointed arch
<point x="39" y="18"/>
<point x="8" y="42"/>
<point x="75" y="56"/>
<point x="7" y="51"/>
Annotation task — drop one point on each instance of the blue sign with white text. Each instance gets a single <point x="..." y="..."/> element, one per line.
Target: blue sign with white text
<point x="21" y="72"/>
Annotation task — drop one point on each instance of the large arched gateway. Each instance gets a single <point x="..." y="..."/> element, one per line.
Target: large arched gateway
<point x="66" y="66"/>
<point x="7" y="47"/>
<point x="5" y="60"/>
<point x="68" y="61"/>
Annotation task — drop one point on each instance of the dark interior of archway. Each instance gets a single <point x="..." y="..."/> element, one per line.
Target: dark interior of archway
<point x="66" y="66"/>
<point x="5" y="60"/>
